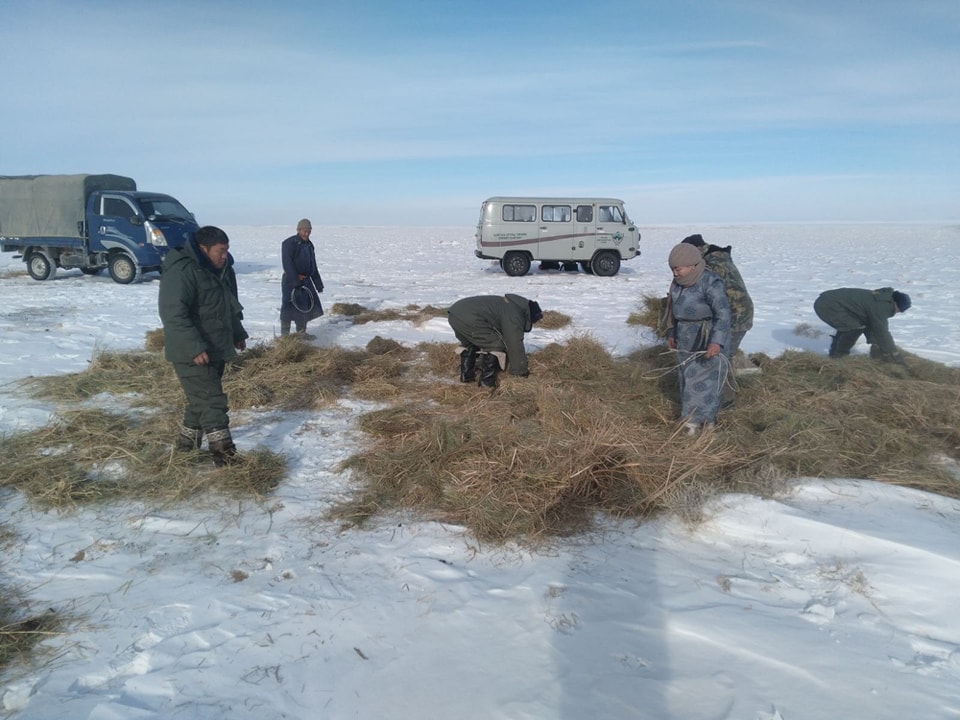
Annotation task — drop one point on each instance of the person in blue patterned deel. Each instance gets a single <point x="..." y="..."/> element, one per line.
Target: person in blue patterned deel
<point x="697" y="320"/>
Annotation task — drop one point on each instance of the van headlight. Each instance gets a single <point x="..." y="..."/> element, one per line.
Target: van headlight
<point x="155" y="235"/>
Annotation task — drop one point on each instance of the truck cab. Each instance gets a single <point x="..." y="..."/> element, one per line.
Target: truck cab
<point x="90" y="222"/>
<point x="133" y="231"/>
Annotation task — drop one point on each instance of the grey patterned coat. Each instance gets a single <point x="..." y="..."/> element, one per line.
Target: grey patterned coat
<point x="701" y="316"/>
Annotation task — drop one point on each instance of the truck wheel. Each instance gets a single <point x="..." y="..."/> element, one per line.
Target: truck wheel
<point x="516" y="264"/>
<point x="40" y="266"/>
<point x="123" y="269"/>
<point x="605" y="263"/>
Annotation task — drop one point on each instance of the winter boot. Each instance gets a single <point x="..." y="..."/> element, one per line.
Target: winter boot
<point x="284" y="327"/>
<point x="489" y="368"/>
<point x="302" y="332"/>
<point x="468" y="364"/>
<point x="843" y="342"/>
<point x="221" y="446"/>
<point x="188" y="439"/>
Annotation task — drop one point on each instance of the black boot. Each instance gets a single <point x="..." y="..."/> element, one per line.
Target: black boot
<point x="188" y="439"/>
<point x="843" y="342"/>
<point x="489" y="368"/>
<point x="221" y="446"/>
<point x="468" y="364"/>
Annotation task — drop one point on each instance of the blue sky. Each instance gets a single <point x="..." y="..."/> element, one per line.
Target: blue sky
<point x="357" y="112"/>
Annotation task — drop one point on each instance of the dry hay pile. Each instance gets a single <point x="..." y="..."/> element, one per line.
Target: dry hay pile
<point x="89" y="455"/>
<point x="21" y="629"/>
<point x="650" y="313"/>
<point x="588" y="432"/>
<point x="361" y="315"/>
<point x="585" y="432"/>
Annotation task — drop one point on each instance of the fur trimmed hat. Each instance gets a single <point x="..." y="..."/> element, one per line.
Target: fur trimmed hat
<point x="695" y="240"/>
<point x="901" y="300"/>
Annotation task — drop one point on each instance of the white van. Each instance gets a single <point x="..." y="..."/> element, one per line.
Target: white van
<point x="594" y="232"/>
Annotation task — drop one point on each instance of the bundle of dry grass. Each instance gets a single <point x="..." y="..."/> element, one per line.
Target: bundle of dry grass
<point x="361" y="315"/>
<point x="650" y="313"/>
<point x="419" y="315"/>
<point x="144" y="378"/>
<point x="588" y="432"/>
<point x="20" y="635"/>
<point x="92" y="456"/>
<point x="553" y="320"/>
<point x="21" y="629"/>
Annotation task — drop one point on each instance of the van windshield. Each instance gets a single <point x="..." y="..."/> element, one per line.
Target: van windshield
<point x="161" y="208"/>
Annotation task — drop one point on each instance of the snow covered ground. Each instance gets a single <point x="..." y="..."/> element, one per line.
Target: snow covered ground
<point x="839" y="601"/>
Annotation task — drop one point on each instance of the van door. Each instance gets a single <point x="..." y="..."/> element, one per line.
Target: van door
<point x="556" y="233"/>
<point x="585" y="232"/>
<point x="613" y="231"/>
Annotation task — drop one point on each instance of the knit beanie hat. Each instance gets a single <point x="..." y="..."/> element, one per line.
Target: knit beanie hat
<point x="695" y="240"/>
<point x="684" y="255"/>
<point x="901" y="300"/>
<point x="535" y="312"/>
<point x="304" y="225"/>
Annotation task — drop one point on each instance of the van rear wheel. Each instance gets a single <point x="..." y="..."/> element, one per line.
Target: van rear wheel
<point x="516" y="264"/>
<point x="606" y="263"/>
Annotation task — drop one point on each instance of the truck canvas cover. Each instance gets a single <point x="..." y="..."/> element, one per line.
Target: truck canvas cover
<point x="50" y="205"/>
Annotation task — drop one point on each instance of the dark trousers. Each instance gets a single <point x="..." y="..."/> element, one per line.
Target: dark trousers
<point x="843" y="342"/>
<point x="206" y="401"/>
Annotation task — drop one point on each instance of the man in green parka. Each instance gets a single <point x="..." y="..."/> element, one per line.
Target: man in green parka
<point x="202" y="329"/>
<point x="854" y="311"/>
<point x="489" y="324"/>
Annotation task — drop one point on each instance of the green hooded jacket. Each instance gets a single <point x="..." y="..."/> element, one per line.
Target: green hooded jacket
<point x="859" y="309"/>
<point x="199" y="307"/>
<point x="494" y="322"/>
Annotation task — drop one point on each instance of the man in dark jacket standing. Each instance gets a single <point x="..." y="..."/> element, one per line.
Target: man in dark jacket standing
<point x="202" y="330"/>
<point x="489" y="324"/>
<point x="301" y="282"/>
<point x="854" y="311"/>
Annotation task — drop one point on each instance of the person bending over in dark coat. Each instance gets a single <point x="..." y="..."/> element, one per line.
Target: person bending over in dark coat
<point x="489" y="324"/>
<point x="202" y="329"/>
<point x="853" y="312"/>
<point x="301" y="282"/>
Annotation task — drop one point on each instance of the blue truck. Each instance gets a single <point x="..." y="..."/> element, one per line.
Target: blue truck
<point x="90" y="222"/>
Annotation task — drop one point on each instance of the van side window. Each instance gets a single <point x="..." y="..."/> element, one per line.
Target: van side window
<point x="519" y="213"/>
<point x="115" y="207"/>
<point x="555" y="213"/>
<point x="585" y="213"/>
<point x="610" y="213"/>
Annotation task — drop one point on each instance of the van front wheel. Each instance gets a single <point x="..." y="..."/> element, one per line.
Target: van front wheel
<point x="516" y="264"/>
<point x="606" y="263"/>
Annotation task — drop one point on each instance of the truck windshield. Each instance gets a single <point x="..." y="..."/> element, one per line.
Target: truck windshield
<point x="158" y="208"/>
